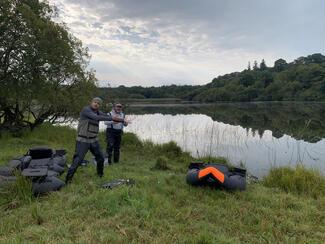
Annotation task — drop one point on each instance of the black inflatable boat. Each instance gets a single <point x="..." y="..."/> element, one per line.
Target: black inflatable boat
<point x="42" y="165"/>
<point x="216" y="175"/>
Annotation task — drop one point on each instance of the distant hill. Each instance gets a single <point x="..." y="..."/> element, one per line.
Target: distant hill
<point x="301" y="80"/>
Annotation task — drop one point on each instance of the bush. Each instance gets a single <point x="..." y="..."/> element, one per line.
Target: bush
<point x="298" y="180"/>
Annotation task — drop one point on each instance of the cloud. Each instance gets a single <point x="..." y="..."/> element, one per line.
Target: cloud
<point x="155" y="42"/>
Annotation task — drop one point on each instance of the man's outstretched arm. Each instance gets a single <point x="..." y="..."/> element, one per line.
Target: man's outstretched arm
<point x="113" y="118"/>
<point x="88" y="113"/>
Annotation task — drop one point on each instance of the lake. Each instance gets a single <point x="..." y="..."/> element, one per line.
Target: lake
<point x="257" y="135"/>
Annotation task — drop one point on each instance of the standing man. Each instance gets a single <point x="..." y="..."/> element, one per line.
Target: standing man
<point x="114" y="133"/>
<point x="87" y="138"/>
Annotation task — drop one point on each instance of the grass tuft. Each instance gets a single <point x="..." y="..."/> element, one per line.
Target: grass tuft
<point x="131" y="140"/>
<point x="36" y="214"/>
<point x="298" y="180"/>
<point x="17" y="193"/>
<point x="23" y="189"/>
<point x="161" y="163"/>
<point x="170" y="150"/>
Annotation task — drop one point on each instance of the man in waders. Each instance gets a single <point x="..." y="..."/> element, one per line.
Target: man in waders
<point x="87" y="137"/>
<point x="114" y="133"/>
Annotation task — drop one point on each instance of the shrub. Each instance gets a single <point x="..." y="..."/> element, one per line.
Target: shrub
<point x="298" y="180"/>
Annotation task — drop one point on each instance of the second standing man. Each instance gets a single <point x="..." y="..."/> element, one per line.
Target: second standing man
<point x="114" y="133"/>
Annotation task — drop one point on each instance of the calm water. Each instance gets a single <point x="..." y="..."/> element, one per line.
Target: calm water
<point x="259" y="135"/>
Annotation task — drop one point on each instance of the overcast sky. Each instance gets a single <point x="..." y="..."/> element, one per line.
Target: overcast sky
<point x="157" y="42"/>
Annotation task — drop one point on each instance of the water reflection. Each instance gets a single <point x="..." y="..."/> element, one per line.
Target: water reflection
<point x="300" y="120"/>
<point x="200" y="135"/>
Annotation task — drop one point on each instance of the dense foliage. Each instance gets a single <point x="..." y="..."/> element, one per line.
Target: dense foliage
<point x="300" y="80"/>
<point x="43" y="68"/>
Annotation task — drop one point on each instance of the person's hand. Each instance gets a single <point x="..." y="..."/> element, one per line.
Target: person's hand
<point x="116" y="119"/>
<point x="126" y="122"/>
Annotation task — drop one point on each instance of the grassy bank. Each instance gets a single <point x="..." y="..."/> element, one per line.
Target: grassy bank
<point x="160" y="208"/>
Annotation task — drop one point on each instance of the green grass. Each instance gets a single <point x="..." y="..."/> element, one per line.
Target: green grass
<point x="160" y="208"/>
<point x="300" y="180"/>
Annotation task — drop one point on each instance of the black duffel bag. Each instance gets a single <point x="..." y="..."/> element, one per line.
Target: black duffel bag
<point x="40" y="152"/>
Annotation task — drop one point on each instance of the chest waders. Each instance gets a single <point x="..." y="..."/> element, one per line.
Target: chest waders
<point x="114" y="133"/>
<point x="113" y="139"/>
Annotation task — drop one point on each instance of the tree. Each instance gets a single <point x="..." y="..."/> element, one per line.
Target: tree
<point x="249" y="66"/>
<point x="267" y="78"/>
<point x="280" y="65"/>
<point x="43" y="68"/>
<point x="263" y="65"/>
<point x="316" y="58"/>
<point x="247" y="79"/>
<point x="255" y="66"/>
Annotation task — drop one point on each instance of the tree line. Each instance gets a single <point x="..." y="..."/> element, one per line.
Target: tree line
<point x="300" y="80"/>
